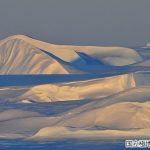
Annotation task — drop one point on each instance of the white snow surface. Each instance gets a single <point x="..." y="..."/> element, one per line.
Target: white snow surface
<point x="115" y="105"/>
<point x="20" y="57"/>
<point x="78" y="90"/>
<point x="20" y="54"/>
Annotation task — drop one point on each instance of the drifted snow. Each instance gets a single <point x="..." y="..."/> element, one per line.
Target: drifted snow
<point x="20" y="54"/>
<point x="55" y="133"/>
<point x="79" y="90"/>
<point x="125" y="119"/>
<point x="19" y="57"/>
<point x="115" y="107"/>
<point x="119" y="116"/>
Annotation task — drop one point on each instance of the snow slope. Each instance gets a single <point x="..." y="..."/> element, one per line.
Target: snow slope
<point x="20" y="57"/>
<point x="143" y="63"/>
<point x="71" y="55"/>
<point x="117" y="56"/>
<point x="58" y="133"/>
<point x="16" y="114"/>
<point x="123" y="115"/>
<point x="119" y="116"/>
<point x="77" y="90"/>
<point x="88" y="89"/>
<point x="117" y="106"/>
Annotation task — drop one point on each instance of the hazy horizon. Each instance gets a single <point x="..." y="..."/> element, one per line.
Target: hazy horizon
<point x="80" y="22"/>
<point x="65" y="96"/>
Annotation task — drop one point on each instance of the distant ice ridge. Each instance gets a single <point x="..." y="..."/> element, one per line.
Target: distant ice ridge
<point x="20" y="54"/>
<point x="147" y="45"/>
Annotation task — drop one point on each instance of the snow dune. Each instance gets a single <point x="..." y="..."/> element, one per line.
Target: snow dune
<point x="23" y="122"/>
<point x="20" y="54"/>
<point x="16" y="114"/>
<point x="55" y="133"/>
<point x="79" y="90"/>
<point x="123" y="115"/>
<point x="120" y="116"/>
<point x="117" y="106"/>
<point x="19" y="57"/>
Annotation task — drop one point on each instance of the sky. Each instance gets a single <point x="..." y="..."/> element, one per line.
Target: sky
<point x="79" y="22"/>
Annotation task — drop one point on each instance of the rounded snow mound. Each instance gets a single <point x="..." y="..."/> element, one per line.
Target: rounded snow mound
<point x="118" y="116"/>
<point x="80" y="90"/>
<point x="116" y="56"/>
<point x="20" y="57"/>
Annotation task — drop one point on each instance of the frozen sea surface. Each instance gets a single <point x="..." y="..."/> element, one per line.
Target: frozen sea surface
<point x="61" y="145"/>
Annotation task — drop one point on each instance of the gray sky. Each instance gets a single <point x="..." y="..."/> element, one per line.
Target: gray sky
<point x="82" y="22"/>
